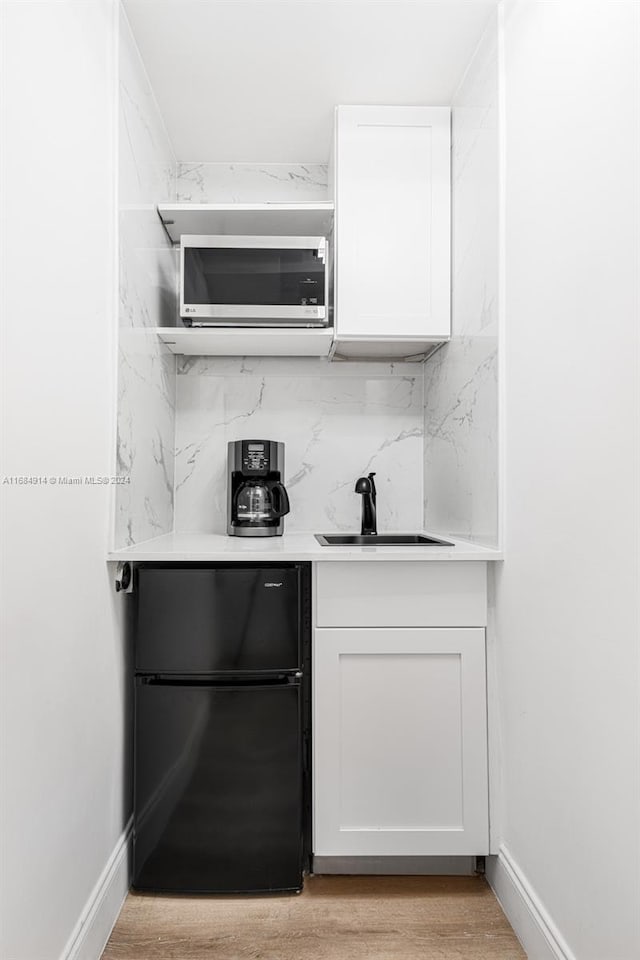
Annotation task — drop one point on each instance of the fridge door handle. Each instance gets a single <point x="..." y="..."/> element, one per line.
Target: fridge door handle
<point x="306" y="753"/>
<point x="233" y="683"/>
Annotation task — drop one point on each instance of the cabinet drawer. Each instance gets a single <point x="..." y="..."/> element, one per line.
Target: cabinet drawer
<point x="401" y="594"/>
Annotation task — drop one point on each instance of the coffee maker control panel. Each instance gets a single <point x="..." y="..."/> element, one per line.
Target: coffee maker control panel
<point x="254" y="458"/>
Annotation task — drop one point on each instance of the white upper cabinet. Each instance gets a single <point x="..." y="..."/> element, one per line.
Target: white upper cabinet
<point x="392" y="229"/>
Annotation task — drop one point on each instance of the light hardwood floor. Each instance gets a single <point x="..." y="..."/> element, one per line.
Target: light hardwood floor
<point x="335" y="918"/>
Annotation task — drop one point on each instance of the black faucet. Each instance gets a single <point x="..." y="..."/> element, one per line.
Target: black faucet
<point x="367" y="487"/>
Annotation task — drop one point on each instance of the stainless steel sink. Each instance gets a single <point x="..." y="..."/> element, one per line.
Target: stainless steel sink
<point x="379" y="540"/>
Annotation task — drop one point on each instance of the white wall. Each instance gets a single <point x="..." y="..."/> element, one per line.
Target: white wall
<point x="257" y="80"/>
<point x="65" y="798"/>
<point x="567" y="597"/>
<point x="461" y="379"/>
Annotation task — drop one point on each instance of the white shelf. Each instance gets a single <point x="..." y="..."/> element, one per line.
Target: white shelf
<point x="247" y="219"/>
<point x="252" y="342"/>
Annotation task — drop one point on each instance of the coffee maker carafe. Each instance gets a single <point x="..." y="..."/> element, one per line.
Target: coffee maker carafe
<point x="256" y="497"/>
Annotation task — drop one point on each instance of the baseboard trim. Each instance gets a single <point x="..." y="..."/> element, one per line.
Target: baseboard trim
<point x="392" y="866"/>
<point x="90" y="934"/>
<point x="534" y="928"/>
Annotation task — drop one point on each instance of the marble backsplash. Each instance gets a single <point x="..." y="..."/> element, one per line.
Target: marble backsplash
<point x="337" y="421"/>
<point x="251" y="182"/>
<point x="147" y="285"/>
<point x="461" y="380"/>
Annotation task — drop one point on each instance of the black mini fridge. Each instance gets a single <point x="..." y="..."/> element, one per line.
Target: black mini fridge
<point x="222" y="727"/>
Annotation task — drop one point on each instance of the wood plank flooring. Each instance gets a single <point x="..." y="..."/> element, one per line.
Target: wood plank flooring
<point x="335" y="918"/>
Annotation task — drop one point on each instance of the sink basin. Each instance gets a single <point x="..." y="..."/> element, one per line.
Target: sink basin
<point x="379" y="540"/>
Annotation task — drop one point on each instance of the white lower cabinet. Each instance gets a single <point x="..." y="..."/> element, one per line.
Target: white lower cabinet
<point x="400" y="741"/>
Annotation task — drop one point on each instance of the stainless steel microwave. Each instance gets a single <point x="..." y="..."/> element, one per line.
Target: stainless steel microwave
<point x="254" y="281"/>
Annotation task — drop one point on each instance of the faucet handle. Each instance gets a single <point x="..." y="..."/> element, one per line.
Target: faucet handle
<point x="366" y="484"/>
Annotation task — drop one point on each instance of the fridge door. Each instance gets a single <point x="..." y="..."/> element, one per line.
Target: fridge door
<point x="217" y="619"/>
<point x="218" y="788"/>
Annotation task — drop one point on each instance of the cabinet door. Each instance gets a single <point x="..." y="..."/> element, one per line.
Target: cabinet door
<point x="393" y="222"/>
<point x="400" y="742"/>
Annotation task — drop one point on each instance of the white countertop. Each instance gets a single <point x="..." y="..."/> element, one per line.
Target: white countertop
<point x="185" y="547"/>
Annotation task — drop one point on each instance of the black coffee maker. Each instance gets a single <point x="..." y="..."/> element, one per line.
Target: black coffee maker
<point x="256" y="497"/>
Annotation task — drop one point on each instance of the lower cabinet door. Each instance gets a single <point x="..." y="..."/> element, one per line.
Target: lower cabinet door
<point x="400" y="742"/>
